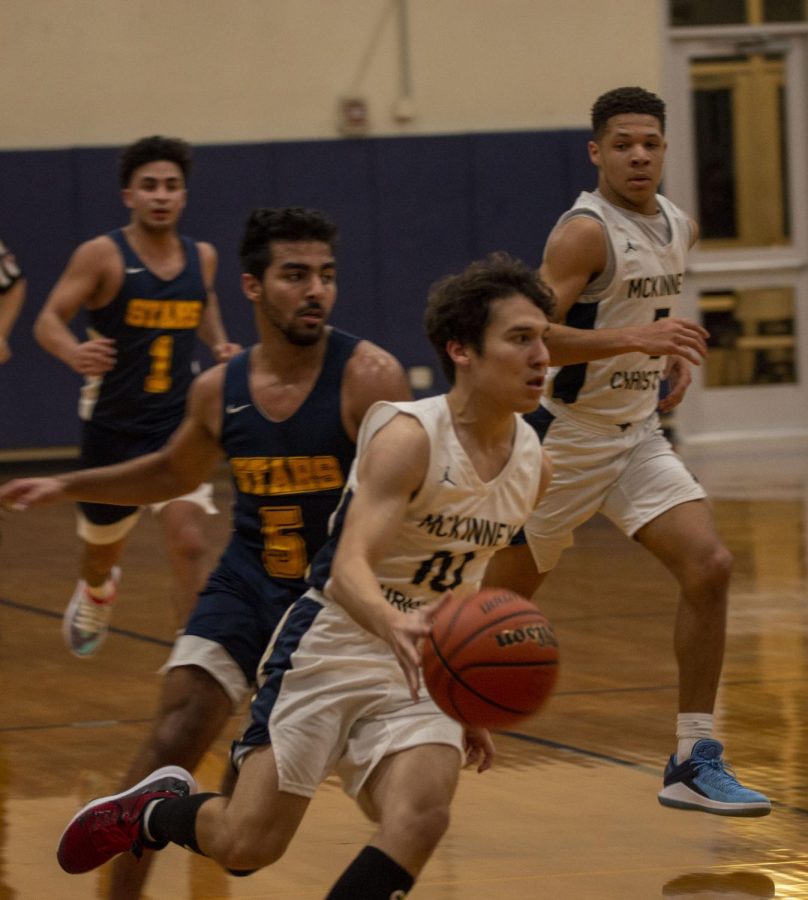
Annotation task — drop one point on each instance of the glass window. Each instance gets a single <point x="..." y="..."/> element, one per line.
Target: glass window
<point x="784" y="10"/>
<point x="707" y="12"/>
<point x="752" y="337"/>
<point x="715" y="163"/>
<point x="683" y="13"/>
<point x="740" y="127"/>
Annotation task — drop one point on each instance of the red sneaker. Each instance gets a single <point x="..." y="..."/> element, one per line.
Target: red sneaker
<point x="112" y="825"/>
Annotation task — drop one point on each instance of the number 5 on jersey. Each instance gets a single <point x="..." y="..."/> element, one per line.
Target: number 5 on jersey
<point x="284" y="553"/>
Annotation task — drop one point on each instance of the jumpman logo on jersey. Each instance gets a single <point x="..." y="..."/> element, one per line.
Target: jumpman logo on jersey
<point x="630" y="246"/>
<point x="446" y="478"/>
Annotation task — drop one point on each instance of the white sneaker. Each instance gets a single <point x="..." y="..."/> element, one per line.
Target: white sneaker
<point x="86" y="620"/>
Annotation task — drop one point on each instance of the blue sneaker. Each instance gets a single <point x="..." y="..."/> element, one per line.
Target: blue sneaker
<point x="704" y="783"/>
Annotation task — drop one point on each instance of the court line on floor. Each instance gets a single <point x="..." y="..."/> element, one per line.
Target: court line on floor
<point x="525" y="738"/>
<point x="655" y="771"/>
<point x="635" y="689"/>
<point x="50" y="614"/>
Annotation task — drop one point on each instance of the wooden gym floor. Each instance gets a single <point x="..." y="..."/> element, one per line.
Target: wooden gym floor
<point x="570" y="810"/>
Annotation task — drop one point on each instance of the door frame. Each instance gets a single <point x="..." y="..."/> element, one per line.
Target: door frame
<point x="763" y="412"/>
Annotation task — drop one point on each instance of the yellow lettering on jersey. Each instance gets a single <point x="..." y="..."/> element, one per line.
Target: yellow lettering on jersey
<point x="300" y="469"/>
<point x="266" y="476"/>
<point x="279" y="479"/>
<point x="179" y="314"/>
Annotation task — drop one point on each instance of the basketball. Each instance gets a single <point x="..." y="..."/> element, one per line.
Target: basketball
<point x="491" y="659"/>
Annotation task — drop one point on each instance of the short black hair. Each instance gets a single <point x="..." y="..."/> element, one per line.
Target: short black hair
<point x="284" y="223"/>
<point x="152" y="149"/>
<point x="625" y="100"/>
<point x="459" y="306"/>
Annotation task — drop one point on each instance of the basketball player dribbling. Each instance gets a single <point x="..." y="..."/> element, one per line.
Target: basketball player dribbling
<point x="341" y="685"/>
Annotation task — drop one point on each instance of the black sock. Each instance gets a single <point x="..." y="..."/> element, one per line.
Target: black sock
<point x="174" y="820"/>
<point x="372" y="876"/>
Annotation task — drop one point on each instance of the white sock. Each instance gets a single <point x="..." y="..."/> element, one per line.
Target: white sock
<point x="147" y="815"/>
<point x="691" y="727"/>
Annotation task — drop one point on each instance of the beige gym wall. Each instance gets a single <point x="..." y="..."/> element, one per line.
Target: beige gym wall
<point x="95" y="72"/>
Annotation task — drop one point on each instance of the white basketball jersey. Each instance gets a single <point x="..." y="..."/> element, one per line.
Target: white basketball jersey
<point x="456" y="521"/>
<point x="646" y="278"/>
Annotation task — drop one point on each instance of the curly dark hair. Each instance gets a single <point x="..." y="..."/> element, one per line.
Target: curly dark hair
<point x="625" y="100"/>
<point x="283" y="223"/>
<point x="152" y="149"/>
<point x="459" y="306"/>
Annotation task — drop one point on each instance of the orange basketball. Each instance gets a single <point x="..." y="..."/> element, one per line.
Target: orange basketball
<point x="491" y="659"/>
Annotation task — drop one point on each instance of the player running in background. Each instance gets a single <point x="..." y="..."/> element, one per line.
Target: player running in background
<point x="147" y="291"/>
<point x="615" y="262"/>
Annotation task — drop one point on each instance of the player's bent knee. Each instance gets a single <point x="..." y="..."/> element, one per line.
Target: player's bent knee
<point x="423" y="827"/>
<point x="191" y="544"/>
<point x="716" y="569"/>
<point x="250" y="851"/>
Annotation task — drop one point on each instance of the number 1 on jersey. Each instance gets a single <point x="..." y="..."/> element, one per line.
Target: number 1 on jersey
<point x="158" y="381"/>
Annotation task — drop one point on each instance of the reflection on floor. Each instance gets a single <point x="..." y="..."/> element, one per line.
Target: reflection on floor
<point x="569" y="812"/>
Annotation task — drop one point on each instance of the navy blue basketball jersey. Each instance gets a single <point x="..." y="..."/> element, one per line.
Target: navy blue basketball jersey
<point x="154" y="324"/>
<point x="288" y="476"/>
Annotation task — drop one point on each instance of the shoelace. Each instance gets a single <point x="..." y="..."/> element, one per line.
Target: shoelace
<point x="717" y="771"/>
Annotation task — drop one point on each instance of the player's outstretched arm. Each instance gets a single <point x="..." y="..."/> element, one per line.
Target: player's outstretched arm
<point x="188" y="458"/>
<point x="391" y="470"/>
<point x="20" y="493"/>
<point x="664" y="337"/>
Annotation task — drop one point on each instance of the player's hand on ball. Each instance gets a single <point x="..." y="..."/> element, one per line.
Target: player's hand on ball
<point x="406" y="632"/>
